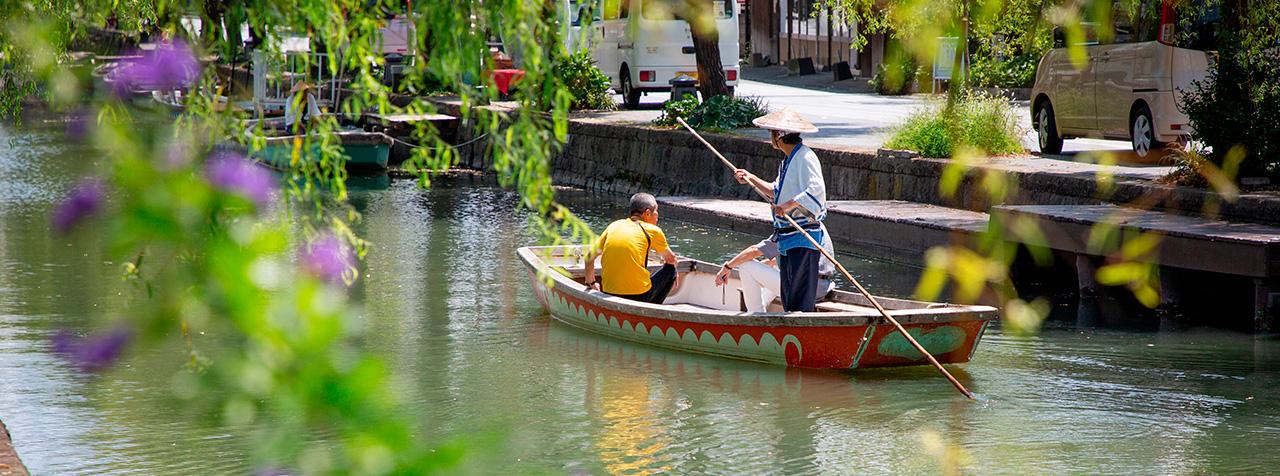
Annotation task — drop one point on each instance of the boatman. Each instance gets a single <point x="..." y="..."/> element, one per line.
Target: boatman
<point x="623" y="249"/>
<point x="801" y="193"/>
<point x="301" y="96"/>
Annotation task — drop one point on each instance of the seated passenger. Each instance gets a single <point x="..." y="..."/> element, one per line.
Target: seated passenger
<point x="623" y="249"/>
<point x="762" y="282"/>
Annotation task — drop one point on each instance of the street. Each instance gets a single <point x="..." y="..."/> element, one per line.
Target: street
<point x="863" y="120"/>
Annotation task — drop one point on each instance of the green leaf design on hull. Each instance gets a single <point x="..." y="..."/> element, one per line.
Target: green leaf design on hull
<point x="939" y="340"/>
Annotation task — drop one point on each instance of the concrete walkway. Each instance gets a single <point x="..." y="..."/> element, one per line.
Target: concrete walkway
<point x="882" y="228"/>
<point x="849" y="116"/>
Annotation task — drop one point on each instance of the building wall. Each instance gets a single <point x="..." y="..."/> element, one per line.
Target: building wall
<point x="809" y="37"/>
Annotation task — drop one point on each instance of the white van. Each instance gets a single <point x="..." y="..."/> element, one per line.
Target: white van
<point x="641" y="45"/>
<point x="1129" y="87"/>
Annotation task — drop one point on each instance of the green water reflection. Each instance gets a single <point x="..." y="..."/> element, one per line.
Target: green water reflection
<point x="445" y="300"/>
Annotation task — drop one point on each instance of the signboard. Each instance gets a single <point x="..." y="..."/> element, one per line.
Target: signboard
<point x="944" y="61"/>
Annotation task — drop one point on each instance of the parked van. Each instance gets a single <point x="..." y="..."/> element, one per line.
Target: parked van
<point x="641" y="44"/>
<point x="1128" y="87"/>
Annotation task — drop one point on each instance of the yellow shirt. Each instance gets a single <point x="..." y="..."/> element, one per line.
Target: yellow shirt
<point x="623" y="249"/>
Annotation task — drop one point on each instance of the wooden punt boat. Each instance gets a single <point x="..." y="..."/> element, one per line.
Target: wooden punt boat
<point x="364" y="150"/>
<point x="845" y="332"/>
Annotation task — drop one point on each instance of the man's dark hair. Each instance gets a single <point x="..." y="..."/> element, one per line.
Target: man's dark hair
<point x="790" y="139"/>
<point x="641" y="202"/>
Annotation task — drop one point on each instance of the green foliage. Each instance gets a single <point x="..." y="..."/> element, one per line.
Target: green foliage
<point x="897" y="78"/>
<point x="680" y="108"/>
<point x="720" y="113"/>
<point x="1238" y="108"/>
<point x="979" y="122"/>
<point x="588" y="85"/>
<point x="1016" y="72"/>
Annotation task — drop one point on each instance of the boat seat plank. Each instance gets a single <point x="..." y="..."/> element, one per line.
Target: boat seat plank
<point x="832" y="306"/>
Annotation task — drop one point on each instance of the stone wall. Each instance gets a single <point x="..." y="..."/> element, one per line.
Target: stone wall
<point x="626" y="158"/>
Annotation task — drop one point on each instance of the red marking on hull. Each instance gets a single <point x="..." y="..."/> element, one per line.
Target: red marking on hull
<point x="820" y="347"/>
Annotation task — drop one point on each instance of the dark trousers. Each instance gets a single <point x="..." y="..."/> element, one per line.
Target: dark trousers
<point x="799" y="269"/>
<point x="662" y="280"/>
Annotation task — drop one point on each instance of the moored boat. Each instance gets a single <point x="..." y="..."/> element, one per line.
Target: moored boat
<point x="364" y="150"/>
<point x="845" y="332"/>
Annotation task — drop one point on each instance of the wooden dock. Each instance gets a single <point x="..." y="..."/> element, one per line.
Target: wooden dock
<point x="892" y="229"/>
<point x="1242" y="250"/>
<point x="401" y="127"/>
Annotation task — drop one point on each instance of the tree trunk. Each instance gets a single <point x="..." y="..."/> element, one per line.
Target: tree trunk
<point x="706" y="49"/>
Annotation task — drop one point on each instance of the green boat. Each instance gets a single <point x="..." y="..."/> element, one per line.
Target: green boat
<point x="364" y="150"/>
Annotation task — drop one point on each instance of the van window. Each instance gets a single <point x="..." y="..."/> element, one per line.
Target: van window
<point x="582" y="12"/>
<point x="670" y="9"/>
<point x="612" y="9"/>
<point x="1195" y="26"/>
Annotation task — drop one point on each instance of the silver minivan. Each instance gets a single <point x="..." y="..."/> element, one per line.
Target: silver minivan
<point x="1127" y="88"/>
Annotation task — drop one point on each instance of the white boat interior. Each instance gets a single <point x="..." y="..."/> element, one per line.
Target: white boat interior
<point x="698" y="291"/>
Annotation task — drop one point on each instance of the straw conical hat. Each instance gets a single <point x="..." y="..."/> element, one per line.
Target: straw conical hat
<point x="785" y="120"/>
<point x="301" y="86"/>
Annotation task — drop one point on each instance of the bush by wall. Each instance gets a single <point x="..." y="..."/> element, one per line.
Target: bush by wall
<point x="979" y="121"/>
<point x="589" y="86"/>
<point x="1015" y="72"/>
<point x="1238" y="105"/>
<point x="720" y="113"/>
<point x="895" y="79"/>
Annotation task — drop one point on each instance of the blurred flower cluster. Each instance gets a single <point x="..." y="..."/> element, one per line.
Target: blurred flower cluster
<point x="167" y="67"/>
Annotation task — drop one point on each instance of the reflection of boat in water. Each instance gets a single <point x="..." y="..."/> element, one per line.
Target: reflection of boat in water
<point x="368" y="182"/>
<point x="845" y="332"/>
<point x="363" y="150"/>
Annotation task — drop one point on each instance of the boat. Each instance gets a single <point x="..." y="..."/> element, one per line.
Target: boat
<point x="364" y="150"/>
<point x="844" y="333"/>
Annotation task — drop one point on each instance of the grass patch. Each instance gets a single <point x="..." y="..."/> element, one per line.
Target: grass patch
<point x="978" y="121"/>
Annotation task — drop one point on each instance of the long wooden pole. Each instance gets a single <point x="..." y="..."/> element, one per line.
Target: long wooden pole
<point x="874" y="303"/>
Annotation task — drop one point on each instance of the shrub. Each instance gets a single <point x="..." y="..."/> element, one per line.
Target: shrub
<point x="1238" y="104"/>
<point x="589" y="86"/>
<point x="673" y="109"/>
<point x="1015" y="72"/>
<point x="720" y="113"/>
<point x="895" y="79"/>
<point x="1189" y="169"/>
<point x="979" y="121"/>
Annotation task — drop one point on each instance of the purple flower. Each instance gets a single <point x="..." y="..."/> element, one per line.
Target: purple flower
<point x="93" y="353"/>
<point x="328" y="258"/>
<point x="233" y="173"/>
<point x="169" y="66"/>
<point x="84" y="200"/>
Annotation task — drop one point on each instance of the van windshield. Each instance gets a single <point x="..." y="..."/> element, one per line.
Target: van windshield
<point x="670" y="9"/>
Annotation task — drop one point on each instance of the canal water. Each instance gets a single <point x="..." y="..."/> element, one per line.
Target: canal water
<point x="446" y="303"/>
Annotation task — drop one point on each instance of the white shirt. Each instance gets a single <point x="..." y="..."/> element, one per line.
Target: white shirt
<point x="800" y="179"/>
<point x="291" y="115"/>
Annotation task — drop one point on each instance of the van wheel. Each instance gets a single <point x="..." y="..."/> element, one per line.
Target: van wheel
<point x="630" y="97"/>
<point x="1046" y="129"/>
<point x="1142" y="132"/>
